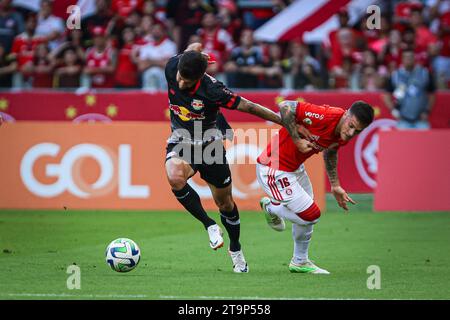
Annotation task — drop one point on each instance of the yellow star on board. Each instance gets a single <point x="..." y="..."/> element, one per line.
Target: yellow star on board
<point x="91" y="100"/>
<point x="111" y="110"/>
<point x="279" y="99"/>
<point x="4" y="104"/>
<point x="71" y="112"/>
<point x="376" y="111"/>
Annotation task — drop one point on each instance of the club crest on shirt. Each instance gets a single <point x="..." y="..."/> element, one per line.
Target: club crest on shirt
<point x="307" y="121"/>
<point x="197" y="104"/>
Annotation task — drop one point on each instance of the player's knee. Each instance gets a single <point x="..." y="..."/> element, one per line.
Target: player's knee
<point x="176" y="176"/>
<point x="312" y="214"/>
<point x="225" y="204"/>
<point x="176" y="181"/>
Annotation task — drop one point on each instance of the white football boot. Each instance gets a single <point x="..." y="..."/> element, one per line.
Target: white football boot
<point x="239" y="263"/>
<point x="275" y="222"/>
<point x="306" y="267"/>
<point x="215" y="237"/>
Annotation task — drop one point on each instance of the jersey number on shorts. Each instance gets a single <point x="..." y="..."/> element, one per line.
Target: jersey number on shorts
<point x="284" y="182"/>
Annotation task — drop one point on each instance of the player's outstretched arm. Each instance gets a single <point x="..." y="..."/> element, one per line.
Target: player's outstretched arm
<point x="330" y="157"/>
<point x="288" y="111"/>
<point x="258" y="110"/>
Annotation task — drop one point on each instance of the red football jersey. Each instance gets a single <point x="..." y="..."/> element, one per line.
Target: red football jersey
<point x="100" y="59"/>
<point x="23" y="47"/>
<point x="126" y="71"/>
<point x="321" y="121"/>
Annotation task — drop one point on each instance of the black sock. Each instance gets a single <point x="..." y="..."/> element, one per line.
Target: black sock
<point x="231" y="222"/>
<point x="191" y="202"/>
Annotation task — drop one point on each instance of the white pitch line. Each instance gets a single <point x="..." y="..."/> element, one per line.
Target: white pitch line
<point x="253" y="298"/>
<point x="130" y="296"/>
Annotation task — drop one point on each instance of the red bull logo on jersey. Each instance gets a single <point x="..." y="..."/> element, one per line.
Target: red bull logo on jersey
<point x="185" y="114"/>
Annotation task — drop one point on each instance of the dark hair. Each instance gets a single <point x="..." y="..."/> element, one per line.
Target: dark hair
<point x="192" y="65"/>
<point x="363" y="112"/>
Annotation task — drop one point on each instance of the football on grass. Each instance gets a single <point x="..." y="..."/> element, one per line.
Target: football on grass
<point x="123" y="255"/>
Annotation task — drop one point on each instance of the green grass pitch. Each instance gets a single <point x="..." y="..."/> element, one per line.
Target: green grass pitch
<point x="411" y="249"/>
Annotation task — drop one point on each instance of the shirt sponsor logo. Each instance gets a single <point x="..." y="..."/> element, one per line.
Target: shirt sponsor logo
<point x="184" y="114"/>
<point x="314" y="115"/>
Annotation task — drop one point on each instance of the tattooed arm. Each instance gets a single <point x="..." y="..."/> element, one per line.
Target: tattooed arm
<point x="288" y="111"/>
<point x="258" y="110"/>
<point x="330" y="157"/>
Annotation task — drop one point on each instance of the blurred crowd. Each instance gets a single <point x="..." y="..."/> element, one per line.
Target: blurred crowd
<point x="126" y="44"/>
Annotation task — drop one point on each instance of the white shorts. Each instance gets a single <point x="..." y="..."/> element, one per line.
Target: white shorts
<point x="292" y="189"/>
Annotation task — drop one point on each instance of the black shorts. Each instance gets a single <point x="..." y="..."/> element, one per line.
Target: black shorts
<point x="208" y="159"/>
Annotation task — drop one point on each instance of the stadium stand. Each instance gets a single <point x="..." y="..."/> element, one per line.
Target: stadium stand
<point x="119" y="38"/>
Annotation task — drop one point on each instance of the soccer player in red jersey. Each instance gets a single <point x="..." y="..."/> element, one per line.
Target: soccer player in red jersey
<point x="282" y="175"/>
